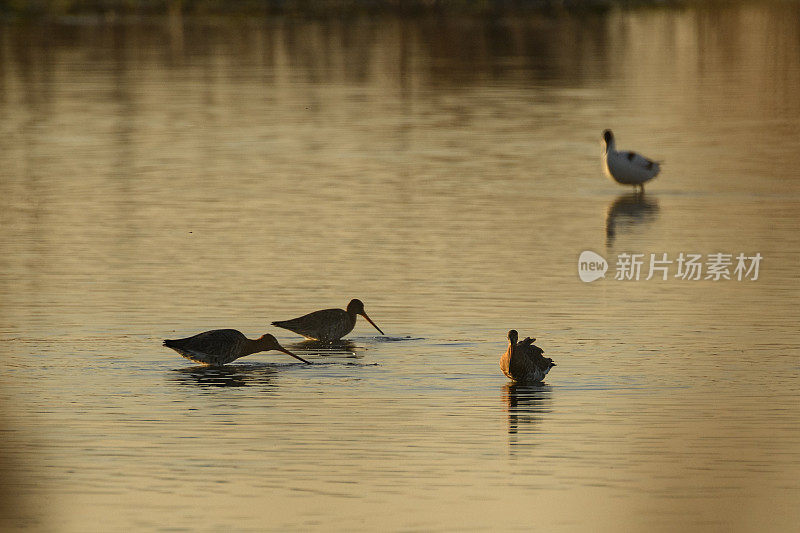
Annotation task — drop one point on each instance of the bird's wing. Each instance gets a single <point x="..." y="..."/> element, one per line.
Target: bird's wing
<point x="226" y="340"/>
<point x="311" y="323"/>
<point x="524" y="343"/>
<point x="638" y="160"/>
<point x="209" y="346"/>
<point x="215" y="342"/>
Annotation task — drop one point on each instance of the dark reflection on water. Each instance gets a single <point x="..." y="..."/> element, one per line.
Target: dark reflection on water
<point x="526" y="405"/>
<point x="458" y="50"/>
<point x="239" y="375"/>
<point x="340" y="348"/>
<point x="629" y="211"/>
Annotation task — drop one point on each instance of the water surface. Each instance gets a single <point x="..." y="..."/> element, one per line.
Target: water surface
<point x="161" y="179"/>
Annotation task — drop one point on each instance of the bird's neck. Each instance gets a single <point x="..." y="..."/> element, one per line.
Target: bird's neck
<point x="610" y="147"/>
<point x="252" y="346"/>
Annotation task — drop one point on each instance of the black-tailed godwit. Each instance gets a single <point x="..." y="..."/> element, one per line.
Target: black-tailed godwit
<point x="523" y="361"/>
<point x="329" y="324"/>
<point x="221" y="346"/>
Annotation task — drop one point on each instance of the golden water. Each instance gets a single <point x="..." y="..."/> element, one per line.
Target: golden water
<point x="161" y="179"/>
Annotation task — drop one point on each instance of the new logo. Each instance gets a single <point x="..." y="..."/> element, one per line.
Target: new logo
<point x="591" y="266"/>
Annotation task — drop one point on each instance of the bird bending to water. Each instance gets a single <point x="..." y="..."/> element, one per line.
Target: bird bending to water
<point x="329" y="324"/>
<point x="523" y="361"/>
<point x="627" y="168"/>
<point x="220" y="346"/>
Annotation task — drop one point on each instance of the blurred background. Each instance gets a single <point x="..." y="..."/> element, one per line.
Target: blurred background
<point x="172" y="167"/>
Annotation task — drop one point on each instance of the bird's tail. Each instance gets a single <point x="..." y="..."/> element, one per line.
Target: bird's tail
<point x="527" y="341"/>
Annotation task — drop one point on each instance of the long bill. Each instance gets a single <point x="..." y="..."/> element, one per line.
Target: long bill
<point x="373" y="323"/>
<point x="287" y="352"/>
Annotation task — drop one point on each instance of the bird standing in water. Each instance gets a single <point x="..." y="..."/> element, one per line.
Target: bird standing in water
<point x="329" y="324"/>
<point x="627" y="168"/>
<point x="523" y="361"/>
<point x="221" y="346"/>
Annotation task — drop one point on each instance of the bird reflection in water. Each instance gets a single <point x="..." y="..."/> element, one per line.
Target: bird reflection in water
<point x="227" y="376"/>
<point x="627" y="211"/>
<point x="526" y="403"/>
<point x="339" y="348"/>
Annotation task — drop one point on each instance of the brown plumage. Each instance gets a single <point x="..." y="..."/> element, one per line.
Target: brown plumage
<point x="221" y="346"/>
<point x="329" y="324"/>
<point x="524" y="361"/>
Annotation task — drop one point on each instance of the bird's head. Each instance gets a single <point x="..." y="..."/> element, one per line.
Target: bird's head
<point x="356" y="307"/>
<point x="269" y="342"/>
<point x="512" y="337"/>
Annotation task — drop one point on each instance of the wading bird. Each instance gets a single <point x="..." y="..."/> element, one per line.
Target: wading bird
<point x="221" y="346"/>
<point x="329" y="324"/>
<point x="523" y="361"/>
<point x="627" y="168"/>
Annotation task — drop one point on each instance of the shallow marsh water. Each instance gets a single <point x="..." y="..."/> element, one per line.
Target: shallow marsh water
<point x="163" y="179"/>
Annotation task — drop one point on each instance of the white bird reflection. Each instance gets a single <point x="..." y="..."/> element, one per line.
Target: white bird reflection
<point x="628" y="211"/>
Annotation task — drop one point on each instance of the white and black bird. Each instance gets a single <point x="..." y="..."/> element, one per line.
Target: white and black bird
<point x="627" y="168"/>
